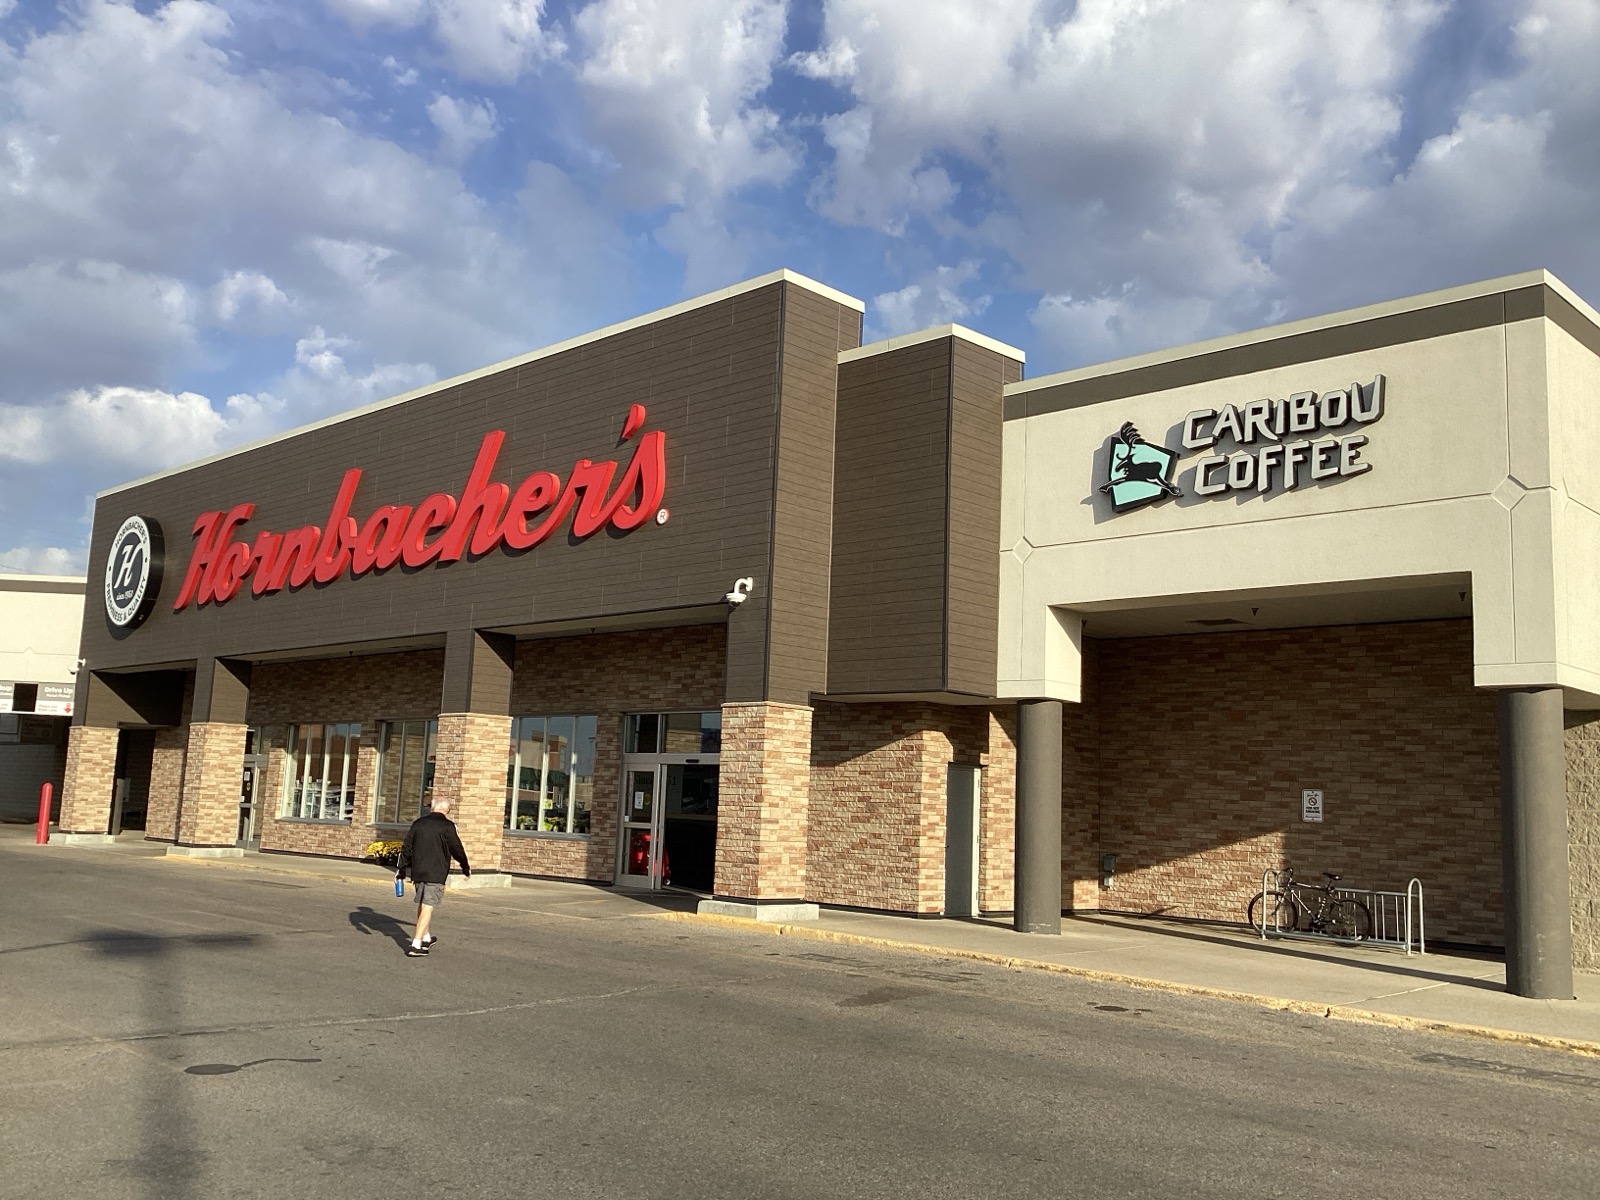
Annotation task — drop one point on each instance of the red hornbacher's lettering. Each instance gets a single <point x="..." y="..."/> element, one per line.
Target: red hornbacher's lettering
<point x="439" y="528"/>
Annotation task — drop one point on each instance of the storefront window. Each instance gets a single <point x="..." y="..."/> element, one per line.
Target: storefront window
<point x="320" y="784"/>
<point x="405" y="770"/>
<point x="550" y="776"/>
<point x="673" y="733"/>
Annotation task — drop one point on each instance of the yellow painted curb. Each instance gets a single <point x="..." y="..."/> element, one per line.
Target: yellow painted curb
<point x="1336" y="1012"/>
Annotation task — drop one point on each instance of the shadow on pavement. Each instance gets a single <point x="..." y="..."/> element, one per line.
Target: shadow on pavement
<point x="1243" y="942"/>
<point x="370" y="921"/>
<point x="169" y="1161"/>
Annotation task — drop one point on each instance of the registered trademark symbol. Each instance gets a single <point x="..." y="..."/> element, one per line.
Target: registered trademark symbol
<point x="661" y="517"/>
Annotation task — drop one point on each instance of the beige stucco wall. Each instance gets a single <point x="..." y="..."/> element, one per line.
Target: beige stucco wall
<point x="40" y="618"/>
<point x="1485" y="471"/>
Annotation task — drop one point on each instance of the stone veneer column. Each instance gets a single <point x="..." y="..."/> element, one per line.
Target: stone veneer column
<point x="86" y="792"/>
<point x="470" y="770"/>
<point x="763" y="812"/>
<point x="213" y="770"/>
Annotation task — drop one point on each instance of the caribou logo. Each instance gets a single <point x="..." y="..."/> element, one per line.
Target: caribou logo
<point x="1138" y="473"/>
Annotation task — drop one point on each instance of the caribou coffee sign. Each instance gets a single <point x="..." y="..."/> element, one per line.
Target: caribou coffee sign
<point x="438" y="528"/>
<point x="1264" y="446"/>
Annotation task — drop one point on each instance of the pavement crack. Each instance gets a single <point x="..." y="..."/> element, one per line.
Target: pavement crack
<point x="371" y="1018"/>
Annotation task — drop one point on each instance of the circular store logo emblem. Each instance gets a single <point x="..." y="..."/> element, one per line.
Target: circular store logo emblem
<point x="133" y="572"/>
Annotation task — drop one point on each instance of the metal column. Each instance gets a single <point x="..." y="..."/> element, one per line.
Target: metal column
<point x="1533" y="816"/>
<point x="1038" y="845"/>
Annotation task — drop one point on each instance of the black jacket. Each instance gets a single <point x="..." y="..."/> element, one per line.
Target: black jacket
<point x="430" y="844"/>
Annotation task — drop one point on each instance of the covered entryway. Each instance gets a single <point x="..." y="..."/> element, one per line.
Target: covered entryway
<point x="668" y="810"/>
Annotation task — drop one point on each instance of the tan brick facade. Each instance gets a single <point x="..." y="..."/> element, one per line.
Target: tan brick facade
<point x="471" y="775"/>
<point x="208" y="814"/>
<point x="665" y="670"/>
<point x="879" y="786"/>
<point x="997" y="815"/>
<point x="763" y="810"/>
<point x="87" y="788"/>
<point x="166" y="784"/>
<point x="1203" y="744"/>
<point x="1583" y="835"/>
<point x="654" y="670"/>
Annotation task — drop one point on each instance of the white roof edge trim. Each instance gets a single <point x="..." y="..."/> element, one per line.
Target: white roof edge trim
<point x="932" y="334"/>
<point x="24" y="577"/>
<point x="583" y="339"/>
<point x="1349" y="316"/>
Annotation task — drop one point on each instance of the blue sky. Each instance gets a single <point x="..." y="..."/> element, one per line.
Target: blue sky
<point x="219" y="220"/>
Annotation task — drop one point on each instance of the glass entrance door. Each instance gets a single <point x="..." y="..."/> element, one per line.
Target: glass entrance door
<point x="250" y="791"/>
<point x="668" y="806"/>
<point x="641" y="829"/>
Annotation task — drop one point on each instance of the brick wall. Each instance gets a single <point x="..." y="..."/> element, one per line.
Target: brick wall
<point x="879" y="783"/>
<point x="471" y="774"/>
<point x="369" y="689"/>
<point x="1583" y="834"/>
<point x="1205" y="742"/>
<point x="997" y="814"/>
<point x="209" y="812"/>
<point x="764" y="801"/>
<point x="90" y="777"/>
<point x="665" y="670"/>
<point x="609" y="674"/>
<point x="166" y="783"/>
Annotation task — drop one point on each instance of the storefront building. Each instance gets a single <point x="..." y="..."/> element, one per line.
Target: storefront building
<point x="40" y="618"/>
<point x="721" y="599"/>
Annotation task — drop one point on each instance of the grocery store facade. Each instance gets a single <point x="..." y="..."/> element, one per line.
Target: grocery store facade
<point x="721" y="599"/>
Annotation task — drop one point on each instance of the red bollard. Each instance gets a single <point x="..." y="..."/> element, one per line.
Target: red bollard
<point x="43" y="834"/>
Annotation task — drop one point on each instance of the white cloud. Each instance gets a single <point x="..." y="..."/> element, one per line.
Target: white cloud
<point x="1129" y="152"/>
<point x="494" y="40"/>
<point x="935" y="299"/>
<point x="137" y="170"/>
<point x="42" y="560"/>
<point x="463" y="126"/>
<point x="362" y="13"/>
<point x="672" y="96"/>
<point x="121" y="427"/>
<point x="672" y="90"/>
<point x="834" y="62"/>
<point x="250" y="300"/>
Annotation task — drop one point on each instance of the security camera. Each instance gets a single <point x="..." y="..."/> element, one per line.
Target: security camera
<point x="77" y="666"/>
<point x="741" y="591"/>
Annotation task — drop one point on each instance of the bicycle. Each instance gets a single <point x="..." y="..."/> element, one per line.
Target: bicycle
<point x="1297" y="907"/>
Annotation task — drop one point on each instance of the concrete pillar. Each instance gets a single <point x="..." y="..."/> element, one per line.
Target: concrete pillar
<point x="1533" y="815"/>
<point x="213" y="771"/>
<point x="86" y="791"/>
<point x="1038" y="907"/>
<point x="763" y="810"/>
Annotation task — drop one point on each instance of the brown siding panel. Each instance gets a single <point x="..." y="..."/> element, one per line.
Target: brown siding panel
<point x="887" y="628"/>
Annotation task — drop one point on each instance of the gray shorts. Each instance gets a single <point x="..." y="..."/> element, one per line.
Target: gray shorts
<point x="430" y="894"/>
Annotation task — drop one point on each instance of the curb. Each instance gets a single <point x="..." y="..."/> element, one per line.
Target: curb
<point x="1335" y="1012"/>
<point x="237" y="864"/>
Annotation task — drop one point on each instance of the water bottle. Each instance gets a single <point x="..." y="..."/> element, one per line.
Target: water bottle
<point x="399" y="885"/>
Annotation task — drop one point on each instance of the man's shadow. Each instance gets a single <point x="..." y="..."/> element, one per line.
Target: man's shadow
<point x="370" y="921"/>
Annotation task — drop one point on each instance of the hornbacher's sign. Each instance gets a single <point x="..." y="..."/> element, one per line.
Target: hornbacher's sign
<point x="441" y="528"/>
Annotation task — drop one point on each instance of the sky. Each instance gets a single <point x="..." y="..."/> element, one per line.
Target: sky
<point x="223" y="219"/>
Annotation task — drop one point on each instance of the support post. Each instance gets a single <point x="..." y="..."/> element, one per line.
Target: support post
<point x="1533" y="815"/>
<point x="1038" y="846"/>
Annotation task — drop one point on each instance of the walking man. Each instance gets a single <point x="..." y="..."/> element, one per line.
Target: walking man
<point x="430" y="844"/>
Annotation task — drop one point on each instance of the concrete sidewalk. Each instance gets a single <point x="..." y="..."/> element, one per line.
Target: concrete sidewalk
<point x="1456" y="993"/>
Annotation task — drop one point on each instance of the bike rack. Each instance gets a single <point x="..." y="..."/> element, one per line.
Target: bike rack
<point x="1398" y="920"/>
